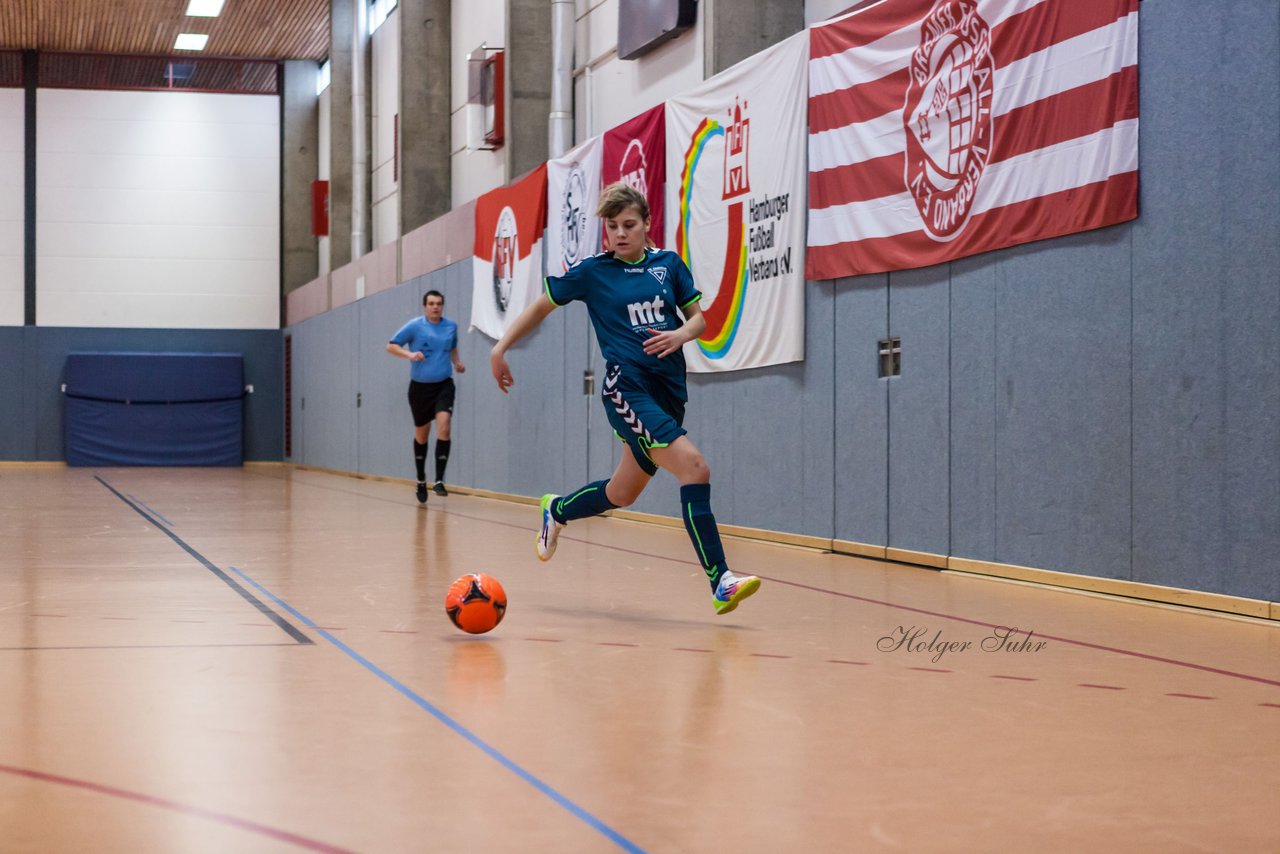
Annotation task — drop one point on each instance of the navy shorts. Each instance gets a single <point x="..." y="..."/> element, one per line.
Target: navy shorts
<point x="644" y="412"/>
<point x="426" y="399"/>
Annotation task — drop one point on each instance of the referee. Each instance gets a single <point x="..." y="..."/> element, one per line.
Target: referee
<point x="430" y="343"/>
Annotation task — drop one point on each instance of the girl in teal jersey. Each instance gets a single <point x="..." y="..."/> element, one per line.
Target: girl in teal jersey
<point x="636" y="295"/>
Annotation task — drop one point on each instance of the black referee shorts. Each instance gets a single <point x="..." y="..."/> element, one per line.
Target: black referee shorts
<point x="427" y="399"/>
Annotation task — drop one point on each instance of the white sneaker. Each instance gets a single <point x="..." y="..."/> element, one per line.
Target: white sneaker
<point x="550" y="532"/>
<point x="731" y="590"/>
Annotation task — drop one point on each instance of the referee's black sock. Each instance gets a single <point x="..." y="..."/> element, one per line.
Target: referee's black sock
<point x="442" y="457"/>
<point x="420" y="459"/>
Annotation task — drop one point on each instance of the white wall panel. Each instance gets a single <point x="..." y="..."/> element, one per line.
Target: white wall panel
<point x="323" y="149"/>
<point x="157" y="210"/>
<point x="619" y="89"/>
<point x="385" y="107"/>
<point x="820" y="10"/>
<point x="12" y="184"/>
<point x="473" y="173"/>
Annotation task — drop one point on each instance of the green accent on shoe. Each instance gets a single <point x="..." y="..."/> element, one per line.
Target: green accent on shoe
<point x="545" y="542"/>
<point x="746" y="587"/>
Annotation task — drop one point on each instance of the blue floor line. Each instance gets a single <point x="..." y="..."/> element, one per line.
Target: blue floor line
<point x="613" y="835"/>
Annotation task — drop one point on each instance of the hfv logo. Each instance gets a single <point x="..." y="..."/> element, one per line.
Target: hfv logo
<point x="646" y="313"/>
<point x="736" y="144"/>
<point x="506" y="248"/>
<point x="632" y="169"/>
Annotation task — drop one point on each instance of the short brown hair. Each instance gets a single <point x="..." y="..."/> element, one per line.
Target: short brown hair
<point x="617" y="197"/>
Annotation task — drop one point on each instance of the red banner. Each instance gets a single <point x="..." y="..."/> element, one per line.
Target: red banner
<point x="635" y="152"/>
<point x="944" y="128"/>
<point x="507" y="259"/>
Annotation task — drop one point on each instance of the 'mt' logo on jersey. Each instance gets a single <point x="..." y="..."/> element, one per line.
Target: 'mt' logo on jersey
<point x="646" y="313"/>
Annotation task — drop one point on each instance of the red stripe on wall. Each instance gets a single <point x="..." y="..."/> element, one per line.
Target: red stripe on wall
<point x="861" y="103"/>
<point x="872" y="23"/>
<point x="1075" y="113"/>
<point x="1079" y="209"/>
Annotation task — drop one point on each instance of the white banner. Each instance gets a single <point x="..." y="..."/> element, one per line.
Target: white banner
<point x="507" y="259"/>
<point x="573" y="193"/>
<point x="736" y="187"/>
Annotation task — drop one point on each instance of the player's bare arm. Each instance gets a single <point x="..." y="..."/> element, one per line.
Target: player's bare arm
<point x="528" y="320"/>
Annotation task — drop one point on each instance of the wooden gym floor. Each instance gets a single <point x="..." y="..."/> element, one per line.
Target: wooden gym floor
<point x="258" y="660"/>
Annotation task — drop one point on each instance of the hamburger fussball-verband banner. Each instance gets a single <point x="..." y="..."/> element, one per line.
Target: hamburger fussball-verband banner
<point x="736" y="182"/>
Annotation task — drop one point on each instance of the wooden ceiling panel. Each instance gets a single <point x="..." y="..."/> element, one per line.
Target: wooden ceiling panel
<point x="247" y="29"/>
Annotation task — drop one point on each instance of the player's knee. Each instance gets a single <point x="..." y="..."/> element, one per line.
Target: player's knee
<point x="699" y="471"/>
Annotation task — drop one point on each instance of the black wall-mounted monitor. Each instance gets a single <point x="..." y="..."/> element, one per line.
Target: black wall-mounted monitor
<point x="645" y="24"/>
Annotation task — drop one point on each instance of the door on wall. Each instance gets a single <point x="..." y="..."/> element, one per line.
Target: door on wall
<point x="892" y="454"/>
<point x="917" y="341"/>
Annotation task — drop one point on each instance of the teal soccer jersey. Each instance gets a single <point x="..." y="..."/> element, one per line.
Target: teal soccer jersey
<point x="435" y="341"/>
<point x="626" y="301"/>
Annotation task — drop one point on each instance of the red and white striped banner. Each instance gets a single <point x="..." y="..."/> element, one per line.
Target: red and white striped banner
<point x="943" y="129"/>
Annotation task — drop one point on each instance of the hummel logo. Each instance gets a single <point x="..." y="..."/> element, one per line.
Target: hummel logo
<point x="647" y="312"/>
<point x="632" y="270"/>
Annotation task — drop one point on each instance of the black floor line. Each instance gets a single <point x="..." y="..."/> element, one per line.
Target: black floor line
<point x="285" y="626"/>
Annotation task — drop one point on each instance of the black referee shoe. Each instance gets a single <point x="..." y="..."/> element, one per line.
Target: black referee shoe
<point x="422" y="492"/>
<point x="439" y="489"/>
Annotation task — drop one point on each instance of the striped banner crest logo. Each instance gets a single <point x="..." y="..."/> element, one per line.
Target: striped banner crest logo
<point x="944" y="128"/>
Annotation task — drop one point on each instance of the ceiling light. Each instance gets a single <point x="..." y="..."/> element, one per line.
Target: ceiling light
<point x="190" y="41"/>
<point x="205" y="8"/>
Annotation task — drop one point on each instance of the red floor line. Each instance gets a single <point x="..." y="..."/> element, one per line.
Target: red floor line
<point x="767" y="655"/>
<point x="1191" y="696"/>
<point x="1014" y="678"/>
<point x="545" y="640"/>
<point x="616" y="643"/>
<point x="688" y="649"/>
<point x="1272" y="705"/>
<point x="1086" y="644"/>
<point x="1104" y="687"/>
<point x="138" y="797"/>
<point x="931" y="669"/>
<point x="846" y="661"/>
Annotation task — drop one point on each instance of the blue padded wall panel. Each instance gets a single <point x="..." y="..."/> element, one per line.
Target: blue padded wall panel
<point x="603" y="448"/>
<point x="329" y="418"/>
<point x="973" y="408"/>
<point x="1207" y="304"/>
<point x="384" y="421"/>
<point x="1063" y="404"/>
<point x="861" y="411"/>
<point x="454" y="282"/>
<point x="817" y="411"/>
<point x="48" y="346"/>
<point x="17" y="438"/>
<point x="919" y="412"/>
<point x="715" y="406"/>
